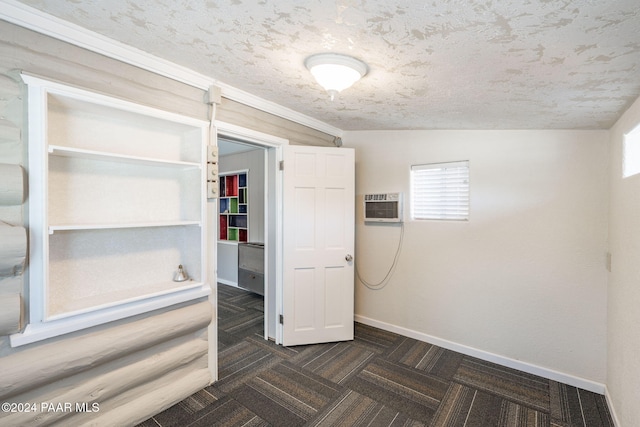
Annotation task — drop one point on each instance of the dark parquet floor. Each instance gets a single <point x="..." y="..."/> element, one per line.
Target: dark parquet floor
<point x="379" y="379"/>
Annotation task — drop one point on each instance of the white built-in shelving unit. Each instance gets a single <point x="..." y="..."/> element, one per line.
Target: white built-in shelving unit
<point x="117" y="202"/>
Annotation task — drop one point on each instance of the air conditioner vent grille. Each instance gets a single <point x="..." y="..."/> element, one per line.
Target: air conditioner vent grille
<point x="383" y="207"/>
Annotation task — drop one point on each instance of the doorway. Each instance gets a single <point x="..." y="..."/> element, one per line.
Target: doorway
<point x="241" y="221"/>
<point x="271" y="149"/>
<point x="337" y="166"/>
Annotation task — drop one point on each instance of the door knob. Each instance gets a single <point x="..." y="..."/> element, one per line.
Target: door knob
<point x="349" y="258"/>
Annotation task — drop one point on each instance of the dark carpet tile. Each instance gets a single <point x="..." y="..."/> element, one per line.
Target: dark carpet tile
<point x="188" y="410"/>
<point x="228" y="293"/>
<point x="151" y="422"/>
<point x="235" y="300"/>
<point x="244" y="324"/>
<point x="287" y="395"/>
<point x="426" y="357"/>
<point x="271" y="411"/>
<point x="374" y="339"/>
<point x="228" y="413"/>
<point x="227" y="309"/>
<point x="571" y="406"/>
<point x="354" y="409"/>
<point x="464" y="406"/>
<point x="519" y="387"/>
<point x="334" y="361"/>
<point x="241" y="362"/>
<point x="515" y="415"/>
<point x="258" y="341"/>
<point x="407" y="390"/>
<point x="248" y="301"/>
<point x="460" y="405"/>
<point x="408" y="351"/>
<point x="378" y="379"/>
<point x="226" y="340"/>
<point x="240" y="315"/>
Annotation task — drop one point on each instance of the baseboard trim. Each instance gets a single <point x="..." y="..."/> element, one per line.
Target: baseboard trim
<point x="612" y="409"/>
<point x="490" y="357"/>
<point x="228" y="282"/>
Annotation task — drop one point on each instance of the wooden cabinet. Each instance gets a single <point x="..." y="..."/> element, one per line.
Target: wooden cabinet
<point x="117" y="202"/>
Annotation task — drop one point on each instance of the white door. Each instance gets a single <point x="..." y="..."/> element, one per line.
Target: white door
<point x="318" y="244"/>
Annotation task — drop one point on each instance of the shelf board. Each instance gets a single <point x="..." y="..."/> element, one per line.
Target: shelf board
<point x="57" y="150"/>
<point x="96" y="304"/>
<point x="39" y="331"/>
<point x="79" y="227"/>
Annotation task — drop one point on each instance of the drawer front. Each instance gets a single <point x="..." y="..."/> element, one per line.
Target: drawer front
<point x="251" y="281"/>
<point x="251" y="258"/>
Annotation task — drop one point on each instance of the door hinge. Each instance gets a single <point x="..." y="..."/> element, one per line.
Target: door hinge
<point x="281" y="319"/>
<point x="281" y="165"/>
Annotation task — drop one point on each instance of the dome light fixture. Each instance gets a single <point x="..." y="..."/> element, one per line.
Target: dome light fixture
<point x="335" y="72"/>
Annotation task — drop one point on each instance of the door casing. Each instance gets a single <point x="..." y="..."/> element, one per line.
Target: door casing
<point x="273" y="233"/>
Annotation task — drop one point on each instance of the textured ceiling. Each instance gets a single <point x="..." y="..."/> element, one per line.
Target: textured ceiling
<point x="440" y="64"/>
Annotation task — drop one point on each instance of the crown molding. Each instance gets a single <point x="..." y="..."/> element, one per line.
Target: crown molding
<point x="262" y="104"/>
<point x="38" y="21"/>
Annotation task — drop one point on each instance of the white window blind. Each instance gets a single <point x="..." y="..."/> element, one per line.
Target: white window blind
<point x="440" y="191"/>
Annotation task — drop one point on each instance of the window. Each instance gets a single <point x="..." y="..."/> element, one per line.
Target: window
<point x="440" y="191"/>
<point x="631" y="156"/>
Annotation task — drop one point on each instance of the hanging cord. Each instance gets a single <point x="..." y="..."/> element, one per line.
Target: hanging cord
<point x="385" y="281"/>
<point x="214" y="98"/>
<point x="212" y="128"/>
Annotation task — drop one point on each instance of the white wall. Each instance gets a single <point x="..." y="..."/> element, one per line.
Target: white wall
<point x="525" y="278"/>
<point x="623" y="367"/>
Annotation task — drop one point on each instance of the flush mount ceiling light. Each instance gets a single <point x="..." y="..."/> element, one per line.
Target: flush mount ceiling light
<point x="335" y="72"/>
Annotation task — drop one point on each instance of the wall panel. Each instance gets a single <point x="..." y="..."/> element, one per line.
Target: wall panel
<point x="25" y="50"/>
<point x="623" y="298"/>
<point x="525" y="278"/>
<point x="248" y="117"/>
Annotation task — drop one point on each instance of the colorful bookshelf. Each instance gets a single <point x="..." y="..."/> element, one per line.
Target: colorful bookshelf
<point x="234" y="207"/>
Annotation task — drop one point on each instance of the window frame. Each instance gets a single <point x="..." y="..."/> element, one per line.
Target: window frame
<point x="450" y="188"/>
<point x="631" y="153"/>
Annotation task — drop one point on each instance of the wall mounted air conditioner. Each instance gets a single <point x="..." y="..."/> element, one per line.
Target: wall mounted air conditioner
<point x="385" y="207"/>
